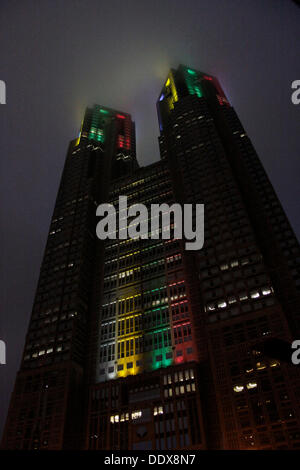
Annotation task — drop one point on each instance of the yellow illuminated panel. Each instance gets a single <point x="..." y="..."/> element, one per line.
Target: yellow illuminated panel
<point x="79" y="136"/>
<point x="170" y="85"/>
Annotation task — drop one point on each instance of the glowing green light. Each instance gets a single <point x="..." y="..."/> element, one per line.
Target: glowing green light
<point x="164" y="362"/>
<point x="198" y="92"/>
<point x="192" y="83"/>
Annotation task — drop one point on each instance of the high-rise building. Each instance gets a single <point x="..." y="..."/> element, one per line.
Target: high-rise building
<point x="139" y="343"/>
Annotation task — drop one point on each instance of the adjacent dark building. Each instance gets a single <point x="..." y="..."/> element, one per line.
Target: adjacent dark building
<point x="140" y="344"/>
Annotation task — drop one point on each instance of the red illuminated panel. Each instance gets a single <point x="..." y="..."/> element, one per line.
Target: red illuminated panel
<point x="175" y="283"/>
<point x="120" y="141"/>
<point x="222" y="100"/>
<point x="221" y="96"/>
<point x="127" y="126"/>
<point x="185" y="349"/>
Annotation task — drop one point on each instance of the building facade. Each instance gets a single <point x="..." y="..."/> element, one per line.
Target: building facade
<point x="140" y="344"/>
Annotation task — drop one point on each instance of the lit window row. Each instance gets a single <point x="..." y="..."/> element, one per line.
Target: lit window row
<point x="158" y="410"/>
<point x="42" y="352"/>
<point x="180" y="390"/>
<point x="125" y="417"/>
<point x="241" y="388"/>
<point x="255" y="294"/>
<point x="180" y="376"/>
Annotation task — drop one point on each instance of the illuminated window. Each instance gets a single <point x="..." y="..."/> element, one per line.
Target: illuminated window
<point x="158" y="410"/>
<point x="243" y="296"/>
<point x="254" y="295"/>
<point x="238" y="388"/>
<point x="136" y="414"/>
<point x="260" y="366"/>
<point x="223" y="267"/>
<point x="211" y="306"/>
<point x="251" y="385"/>
<point x="266" y="291"/>
<point x="274" y="364"/>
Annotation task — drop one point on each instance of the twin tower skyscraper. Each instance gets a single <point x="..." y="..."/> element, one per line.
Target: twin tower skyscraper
<point x="141" y="344"/>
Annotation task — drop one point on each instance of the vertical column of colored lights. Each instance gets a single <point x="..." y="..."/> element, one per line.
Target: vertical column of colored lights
<point x="96" y="131"/>
<point x="153" y="326"/>
<point x="184" y="343"/>
<point x="192" y="82"/>
<point x="159" y="113"/>
<point x="134" y="334"/>
<point x="124" y="132"/>
<point x="158" y="333"/>
<point x="129" y="336"/>
<point x="171" y="91"/>
<point x="143" y="320"/>
<point x="129" y="332"/>
<point x="79" y="135"/>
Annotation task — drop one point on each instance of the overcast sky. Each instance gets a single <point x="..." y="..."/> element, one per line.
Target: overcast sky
<point x="56" y="57"/>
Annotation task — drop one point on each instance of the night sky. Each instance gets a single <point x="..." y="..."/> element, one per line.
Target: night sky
<point x="56" y="57"/>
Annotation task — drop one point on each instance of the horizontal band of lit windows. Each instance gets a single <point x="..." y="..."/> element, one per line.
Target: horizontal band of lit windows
<point x="179" y="376"/>
<point x="138" y="252"/>
<point x="144" y="181"/>
<point x="179" y="303"/>
<point x="139" y="268"/>
<point x="174" y="258"/>
<point x="154" y="357"/>
<point x="115" y="203"/>
<point x="42" y="352"/>
<point x="125" y="417"/>
<point x="255" y="294"/>
<point x="133" y="367"/>
<point x="180" y="390"/>
<point x="155" y="177"/>
<point x="112" y="246"/>
<point x="156" y="198"/>
<point x="130" y="325"/>
<point x="128" y="368"/>
<point x="160" y="180"/>
<point x="148" y="360"/>
<point x="234" y="263"/>
<point x="140" y="342"/>
<point x="119" y="418"/>
<point x="241" y="388"/>
<point x="160" y="357"/>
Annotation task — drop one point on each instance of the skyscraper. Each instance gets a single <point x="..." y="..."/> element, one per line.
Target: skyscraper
<point x="140" y="344"/>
